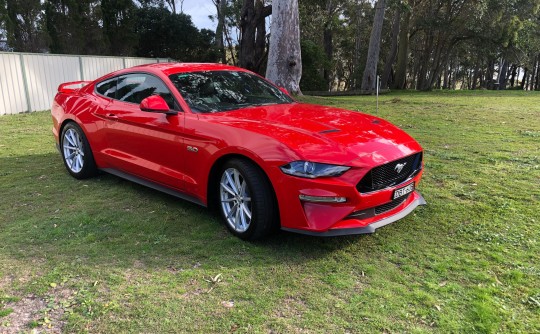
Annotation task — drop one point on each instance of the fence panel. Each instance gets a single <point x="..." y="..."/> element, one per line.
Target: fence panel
<point x="44" y="73"/>
<point x="94" y="67"/>
<point x="28" y="82"/>
<point x="130" y="62"/>
<point x="12" y="91"/>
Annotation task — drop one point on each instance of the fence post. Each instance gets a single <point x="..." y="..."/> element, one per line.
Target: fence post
<point x="124" y="61"/>
<point x="81" y="68"/>
<point x="25" y="84"/>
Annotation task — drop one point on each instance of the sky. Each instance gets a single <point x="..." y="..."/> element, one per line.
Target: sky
<point x="199" y="11"/>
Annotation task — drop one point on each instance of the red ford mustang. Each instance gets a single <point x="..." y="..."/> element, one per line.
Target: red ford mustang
<point x="224" y="137"/>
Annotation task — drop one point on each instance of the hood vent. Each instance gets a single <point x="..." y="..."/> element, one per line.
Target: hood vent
<point x="329" y="131"/>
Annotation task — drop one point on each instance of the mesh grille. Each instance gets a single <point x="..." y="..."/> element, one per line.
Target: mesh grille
<point x="387" y="175"/>
<point x="391" y="205"/>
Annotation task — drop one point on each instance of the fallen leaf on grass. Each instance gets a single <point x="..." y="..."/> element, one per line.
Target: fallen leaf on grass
<point x="227" y="304"/>
<point x="215" y="279"/>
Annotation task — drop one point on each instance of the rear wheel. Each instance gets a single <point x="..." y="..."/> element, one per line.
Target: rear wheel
<point x="246" y="200"/>
<point x="76" y="152"/>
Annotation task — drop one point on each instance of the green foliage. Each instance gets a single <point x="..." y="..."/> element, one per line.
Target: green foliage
<point x="163" y="34"/>
<point x="119" y="21"/>
<point x="24" y="25"/>
<point x="104" y="27"/>
<point x="73" y="27"/>
<point x="313" y="63"/>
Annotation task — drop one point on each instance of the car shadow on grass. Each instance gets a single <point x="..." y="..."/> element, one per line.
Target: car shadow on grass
<point x="106" y="220"/>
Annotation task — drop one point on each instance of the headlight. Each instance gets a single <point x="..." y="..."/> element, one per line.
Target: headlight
<point x="312" y="170"/>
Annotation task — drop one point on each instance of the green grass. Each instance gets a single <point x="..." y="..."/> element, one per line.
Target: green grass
<point x="118" y="257"/>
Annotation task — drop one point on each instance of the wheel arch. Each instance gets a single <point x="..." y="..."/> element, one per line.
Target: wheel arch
<point x="213" y="178"/>
<point x="63" y="125"/>
<point x="68" y="120"/>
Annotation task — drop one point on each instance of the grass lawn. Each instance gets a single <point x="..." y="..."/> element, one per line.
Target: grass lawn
<point x="105" y="255"/>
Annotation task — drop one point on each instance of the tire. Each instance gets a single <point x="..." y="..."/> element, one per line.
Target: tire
<point x="245" y="200"/>
<point x="76" y="152"/>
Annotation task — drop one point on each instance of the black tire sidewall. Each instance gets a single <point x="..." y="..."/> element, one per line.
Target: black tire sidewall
<point x="262" y="200"/>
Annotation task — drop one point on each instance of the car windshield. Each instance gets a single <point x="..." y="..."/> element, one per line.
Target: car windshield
<point x="215" y="91"/>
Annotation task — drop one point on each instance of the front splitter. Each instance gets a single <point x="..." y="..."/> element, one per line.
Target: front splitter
<point x="367" y="229"/>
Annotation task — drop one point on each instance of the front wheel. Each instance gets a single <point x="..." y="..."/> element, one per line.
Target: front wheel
<point x="76" y="152"/>
<point x="246" y="200"/>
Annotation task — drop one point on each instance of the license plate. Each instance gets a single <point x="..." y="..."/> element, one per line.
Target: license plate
<point x="403" y="191"/>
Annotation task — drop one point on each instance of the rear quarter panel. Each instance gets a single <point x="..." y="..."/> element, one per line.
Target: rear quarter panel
<point x="80" y="107"/>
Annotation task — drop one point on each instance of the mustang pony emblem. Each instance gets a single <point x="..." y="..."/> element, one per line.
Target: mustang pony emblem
<point x="399" y="167"/>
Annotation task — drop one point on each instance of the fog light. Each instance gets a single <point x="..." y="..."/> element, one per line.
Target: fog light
<point x="323" y="199"/>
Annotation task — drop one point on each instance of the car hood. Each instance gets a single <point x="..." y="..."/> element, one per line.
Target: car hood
<point x="325" y="134"/>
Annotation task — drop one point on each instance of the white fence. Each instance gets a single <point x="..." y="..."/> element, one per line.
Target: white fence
<point x="29" y="81"/>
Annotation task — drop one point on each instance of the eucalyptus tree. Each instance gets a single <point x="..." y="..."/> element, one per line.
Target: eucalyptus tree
<point x="252" y="52"/>
<point x="221" y="10"/>
<point x="284" y="57"/>
<point x="119" y="21"/>
<point x="370" y="71"/>
<point x="98" y="27"/>
<point x="23" y="22"/>
<point x="398" y="7"/>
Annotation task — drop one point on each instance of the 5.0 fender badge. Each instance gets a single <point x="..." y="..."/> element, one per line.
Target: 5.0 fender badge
<point x="192" y="149"/>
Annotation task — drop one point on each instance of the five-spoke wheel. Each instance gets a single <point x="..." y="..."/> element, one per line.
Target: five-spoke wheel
<point x="76" y="152"/>
<point x="235" y="200"/>
<point x="246" y="200"/>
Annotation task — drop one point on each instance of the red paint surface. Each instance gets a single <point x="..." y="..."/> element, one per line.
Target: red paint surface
<point x="154" y="146"/>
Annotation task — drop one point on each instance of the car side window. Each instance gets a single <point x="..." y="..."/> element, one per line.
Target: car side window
<point x="134" y="88"/>
<point x="107" y="88"/>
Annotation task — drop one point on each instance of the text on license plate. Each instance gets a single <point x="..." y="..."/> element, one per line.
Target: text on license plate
<point x="403" y="191"/>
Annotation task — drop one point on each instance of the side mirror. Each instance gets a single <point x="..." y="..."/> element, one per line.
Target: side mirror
<point x="156" y="103"/>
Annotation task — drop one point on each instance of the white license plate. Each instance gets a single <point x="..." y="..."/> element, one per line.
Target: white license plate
<point x="403" y="191"/>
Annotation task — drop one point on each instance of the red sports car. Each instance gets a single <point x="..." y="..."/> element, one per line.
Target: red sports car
<point x="223" y="137"/>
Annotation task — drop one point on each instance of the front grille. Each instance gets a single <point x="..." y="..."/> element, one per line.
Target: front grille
<point x="387" y="175"/>
<point x="391" y="205"/>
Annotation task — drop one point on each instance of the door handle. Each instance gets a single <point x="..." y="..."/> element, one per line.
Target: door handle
<point x="112" y="116"/>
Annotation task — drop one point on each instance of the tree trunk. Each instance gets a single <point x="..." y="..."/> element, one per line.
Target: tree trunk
<point x="284" y="57"/>
<point x="250" y="42"/>
<point x="370" y="72"/>
<point x="525" y="78"/>
<point x="403" y="53"/>
<point x="247" y="39"/>
<point x="477" y="75"/>
<point x="423" y="82"/>
<point x="260" y="38"/>
<point x="328" y="43"/>
<point x="446" y="75"/>
<point x="230" y="46"/>
<point x="355" y="76"/>
<point x="489" y="75"/>
<point x="502" y="75"/>
<point x="393" y="49"/>
<point x="437" y="61"/>
<point x="533" y="75"/>
<point x="221" y="5"/>
<point x="537" y="79"/>
<point x="513" y="75"/>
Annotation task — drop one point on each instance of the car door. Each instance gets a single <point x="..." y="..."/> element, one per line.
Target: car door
<point x="144" y="144"/>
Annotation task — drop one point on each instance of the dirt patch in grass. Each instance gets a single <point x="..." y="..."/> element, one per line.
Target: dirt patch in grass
<point x="25" y="312"/>
<point x="291" y="307"/>
<point x="36" y="314"/>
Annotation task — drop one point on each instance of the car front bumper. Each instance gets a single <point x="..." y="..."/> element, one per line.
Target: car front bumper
<point x="417" y="200"/>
